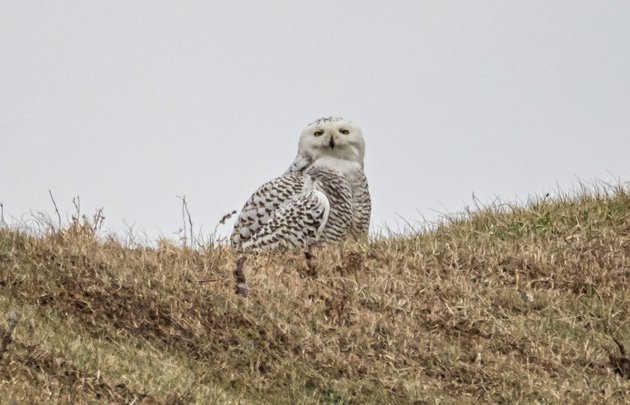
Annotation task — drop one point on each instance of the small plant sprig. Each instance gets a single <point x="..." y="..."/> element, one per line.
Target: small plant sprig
<point x="7" y="336"/>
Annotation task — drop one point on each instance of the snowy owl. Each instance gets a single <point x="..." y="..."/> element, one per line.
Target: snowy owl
<point x="322" y="197"/>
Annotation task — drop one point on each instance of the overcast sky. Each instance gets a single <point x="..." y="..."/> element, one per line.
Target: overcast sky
<point x="128" y="104"/>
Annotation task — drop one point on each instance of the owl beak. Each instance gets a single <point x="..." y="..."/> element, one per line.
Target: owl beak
<point x="332" y="143"/>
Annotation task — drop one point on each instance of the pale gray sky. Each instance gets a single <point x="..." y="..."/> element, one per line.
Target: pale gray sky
<point x="130" y="103"/>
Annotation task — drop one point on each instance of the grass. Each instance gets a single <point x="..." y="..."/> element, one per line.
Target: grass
<point x="506" y="304"/>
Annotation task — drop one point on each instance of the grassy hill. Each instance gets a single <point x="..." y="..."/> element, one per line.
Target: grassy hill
<point x="502" y="305"/>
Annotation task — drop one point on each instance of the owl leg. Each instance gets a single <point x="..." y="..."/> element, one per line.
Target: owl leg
<point x="308" y="255"/>
<point x="241" y="283"/>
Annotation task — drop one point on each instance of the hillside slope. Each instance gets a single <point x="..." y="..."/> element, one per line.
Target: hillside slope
<point x="503" y="305"/>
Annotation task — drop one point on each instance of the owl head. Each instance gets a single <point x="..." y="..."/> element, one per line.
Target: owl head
<point x="332" y="137"/>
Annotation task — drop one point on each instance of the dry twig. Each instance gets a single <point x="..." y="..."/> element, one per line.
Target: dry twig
<point x="620" y="364"/>
<point x="2" y="222"/>
<point x="56" y="209"/>
<point x="186" y="213"/>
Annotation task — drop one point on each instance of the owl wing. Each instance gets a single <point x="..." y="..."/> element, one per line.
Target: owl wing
<point x="296" y="223"/>
<point x="266" y="203"/>
<point x="262" y="205"/>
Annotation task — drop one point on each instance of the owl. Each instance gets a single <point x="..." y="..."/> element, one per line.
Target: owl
<point x="322" y="197"/>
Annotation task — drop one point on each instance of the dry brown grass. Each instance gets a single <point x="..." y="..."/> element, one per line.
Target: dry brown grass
<point x="505" y="305"/>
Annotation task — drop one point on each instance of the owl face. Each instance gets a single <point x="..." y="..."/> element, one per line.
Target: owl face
<point x="332" y="137"/>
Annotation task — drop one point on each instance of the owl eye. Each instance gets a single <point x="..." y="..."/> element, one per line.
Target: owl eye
<point x="319" y="132"/>
<point x="344" y="131"/>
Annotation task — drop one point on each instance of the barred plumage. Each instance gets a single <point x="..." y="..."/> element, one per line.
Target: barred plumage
<point x="323" y="196"/>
